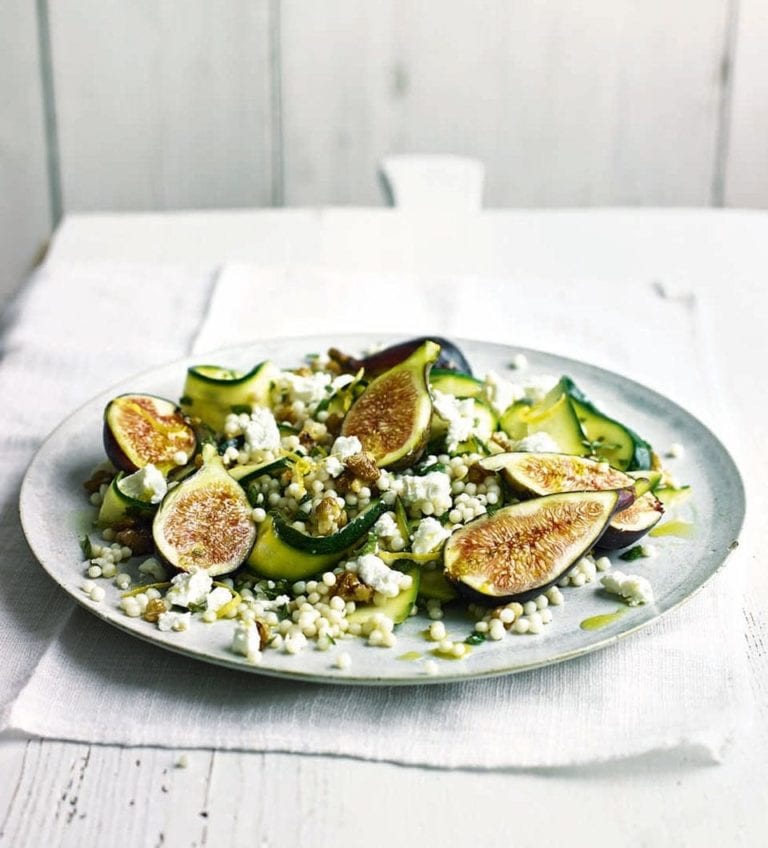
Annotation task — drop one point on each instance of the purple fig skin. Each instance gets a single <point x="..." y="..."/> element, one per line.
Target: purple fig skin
<point x="115" y="453"/>
<point x="451" y="358"/>
<point x="616" y="537"/>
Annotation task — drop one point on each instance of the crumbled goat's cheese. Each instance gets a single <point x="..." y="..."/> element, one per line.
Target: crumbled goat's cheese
<point x="374" y="572"/>
<point x="633" y="588"/>
<point x="537" y="443"/>
<point x="174" y="621"/>
<point x="433" y="488"/>
<point x="216" y="599"/>
<point x="386" y="529"/>
<point x="501" y="393"/>
<point x="246" y="639"/>
<point x="333" y="465"/>
<point x="146" y="484"/>
<point x="429" y="535"/>
<point x="346" y="446"/>
<point x="460" y="415"/>
<point x="309" y="389"/>
<point x="261" y="432"/>
<point x="189" y="589"/>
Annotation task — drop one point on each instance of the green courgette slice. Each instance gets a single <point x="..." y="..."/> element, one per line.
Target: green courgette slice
<point x="212" y="392"/>
<point x="609" y="439"/>
<point x="455" y="383"/>
<point x="283" y="552"/>
<point x="117" y="506"/>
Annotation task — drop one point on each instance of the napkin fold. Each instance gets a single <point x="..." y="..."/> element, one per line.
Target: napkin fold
<point x="680" y="683"/>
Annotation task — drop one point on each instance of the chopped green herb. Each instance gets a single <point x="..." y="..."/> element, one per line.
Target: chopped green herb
<point x="475" y="639"/>
<point x="426" y="469"/>
<point x="86" y="547"/>
<point x="632" y="554"/>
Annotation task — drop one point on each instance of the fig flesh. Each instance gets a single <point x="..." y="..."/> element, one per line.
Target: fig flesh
<point x="392" y="416"/>
<point x="548" y="473"/>
<point x="632" y="523"/>
<point x="144" y="429"/>
<point x="206" y="521"/>
<point x="519" y="551"/>
<point x="451" y="358"/>
<point x="536" y="474"/>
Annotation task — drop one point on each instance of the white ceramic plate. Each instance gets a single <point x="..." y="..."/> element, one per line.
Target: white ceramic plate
<point x="55" y="512"/>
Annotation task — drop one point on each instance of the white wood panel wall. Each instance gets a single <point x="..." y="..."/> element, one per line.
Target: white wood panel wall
<point x="25" y="218"/>
<point x="161" y="104"/>
<point x="746" y="167"/>
<point x="567" y="103"/>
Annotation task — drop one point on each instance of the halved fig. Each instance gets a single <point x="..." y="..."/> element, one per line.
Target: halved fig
<point x="392" y="416"/>
<point x="549" y="473"/>
<point x="206" y="521"/>
<point x="632" y="523"/>
<point x="451" y="358"/>
<point x="144" y="429"/>
<point x="519" y="551"/>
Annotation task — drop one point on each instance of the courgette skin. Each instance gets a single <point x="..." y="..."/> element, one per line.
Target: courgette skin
<point x="283" y="552"/>
<point x="117" y="505"/>
<point x="212" y="392"/>
<point x="633" y="452"/>
<point x="455" y="383"/>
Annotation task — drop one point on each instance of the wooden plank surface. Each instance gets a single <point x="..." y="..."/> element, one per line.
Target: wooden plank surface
<point x="746" y="167"/>
<point x="25" y="217"/>
<point x="163" y="104"/>
<point x="566" y="104"/>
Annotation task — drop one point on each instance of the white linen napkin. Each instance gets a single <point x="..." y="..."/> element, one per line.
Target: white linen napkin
<point x="681" y="683"/>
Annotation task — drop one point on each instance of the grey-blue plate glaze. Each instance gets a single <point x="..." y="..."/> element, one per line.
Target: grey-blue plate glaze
<point x="54" y="512"/>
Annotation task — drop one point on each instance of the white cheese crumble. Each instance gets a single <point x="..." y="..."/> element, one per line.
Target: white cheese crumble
<point x="429" y="535"/>
<point x="246" y="640"/>
<point x="433" y="488"/>
<point x="261" y="432"/>
<point x="537" y="443"/>
<point x="146" y="484"/>
<point x="460" y="415"/>
<point x="333" y="465"/>
<point x="501" y="393"/>
<point x="634" y="589"/>
<point x="216" y="599"/>
<point x="309" y="389"/>
<point x="174" y="621"/>
<point x="374" y="572"/>
<point x="388" y="532"/>
<point x="346" y="446"/>
<point x="189" y="589"/>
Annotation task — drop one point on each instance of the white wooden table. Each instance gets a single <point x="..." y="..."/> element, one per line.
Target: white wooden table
<point x="54" y="793"/>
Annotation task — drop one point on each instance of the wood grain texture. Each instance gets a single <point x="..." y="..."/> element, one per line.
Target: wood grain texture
<point x="25" y="219"/>
<point x="566" y="104"/>
<point x="162" y="104"/>
<point x="746" y="168"/>
<point x="75" y="795"/>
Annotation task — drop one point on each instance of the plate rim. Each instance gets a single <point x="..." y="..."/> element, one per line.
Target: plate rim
<point x="335" y="677"/>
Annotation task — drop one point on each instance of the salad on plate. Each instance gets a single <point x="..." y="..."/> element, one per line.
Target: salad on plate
<point x="302" y="508"/>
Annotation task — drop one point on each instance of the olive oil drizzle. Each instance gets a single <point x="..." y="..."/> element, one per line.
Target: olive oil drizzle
<point x="597" y="622"/>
